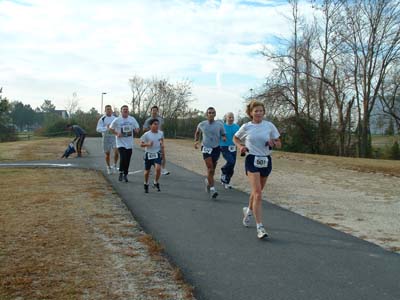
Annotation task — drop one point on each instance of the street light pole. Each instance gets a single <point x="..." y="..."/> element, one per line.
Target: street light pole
<point x="101" y="108"/>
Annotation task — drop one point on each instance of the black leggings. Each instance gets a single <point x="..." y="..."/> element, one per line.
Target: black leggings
<point x="79" y="144"/>
<point x="124" y="159"/>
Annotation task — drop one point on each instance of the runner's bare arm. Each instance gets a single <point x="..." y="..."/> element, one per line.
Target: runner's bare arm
<point x="223" y="134"/>
<point x="113" y="131"/>
<point x="143" y="144"/>
<point x="275" y="143"/>
<point x="196" y="138"/>
<point x="162" y="143"/>
<point x="242" y="148"/>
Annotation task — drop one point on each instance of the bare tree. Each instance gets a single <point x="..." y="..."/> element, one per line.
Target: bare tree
<point x="287" y="71"/>
<point x="72" y="104"/>
<point x="375" y="43"/>
<point x="172" y="99"/>
<point x="390" y="96"/>
<point x="139" y="88"/>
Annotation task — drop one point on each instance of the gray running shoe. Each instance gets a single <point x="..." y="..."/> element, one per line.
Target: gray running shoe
<point x="157" y="186"/>
<point x="109" y="171"/>
<point x="213" y="193"/>
<point x="246" y="217"/>
<point x="261" y="233"/>
<point x="165" y="172"/>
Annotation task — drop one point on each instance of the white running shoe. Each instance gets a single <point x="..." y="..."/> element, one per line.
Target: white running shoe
<point x="214" y="193"/>
<point x="109" y="171"/>
<point x="227" y="186"/>
<point x="207" y="187"/>
<point x="261" y="233"/>
<point x="165" y="172"/>
<point x="246" y="216"/>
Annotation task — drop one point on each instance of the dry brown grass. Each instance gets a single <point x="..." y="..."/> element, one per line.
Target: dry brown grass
<point x="42" y="149"/>
<point x="155" y="249"/>
<point x="65" y="241"/>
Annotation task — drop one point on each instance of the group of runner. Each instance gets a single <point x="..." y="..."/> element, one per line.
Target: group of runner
<point x="118" y="137"/>
<point x="256" y="138"/>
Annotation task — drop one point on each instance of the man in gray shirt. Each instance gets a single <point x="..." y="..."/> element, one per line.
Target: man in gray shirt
<point x="146" y="126"/>
<point x="212" y="132"/>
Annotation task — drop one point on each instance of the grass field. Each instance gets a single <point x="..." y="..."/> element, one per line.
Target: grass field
<point x="59" y="242"/>
<point x="67" y="235"/>
<point x="35" y="149"/>
<point x="384" y="140"/>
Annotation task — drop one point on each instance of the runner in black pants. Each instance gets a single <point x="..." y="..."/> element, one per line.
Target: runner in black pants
<point x="124" y="128"/>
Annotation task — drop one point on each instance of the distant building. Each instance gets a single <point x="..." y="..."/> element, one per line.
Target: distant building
<point x="62" y="113"/>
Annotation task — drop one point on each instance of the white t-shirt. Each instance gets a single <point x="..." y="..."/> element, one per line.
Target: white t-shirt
<point x="102" y="124"/>
<point x="155" y="138"/>
<point x="126" y="126"/>
<point x="255" y="136"/>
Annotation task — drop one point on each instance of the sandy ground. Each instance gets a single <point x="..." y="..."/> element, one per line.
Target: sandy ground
<point x="65" y="234"/>
<point x="363" y="203"/>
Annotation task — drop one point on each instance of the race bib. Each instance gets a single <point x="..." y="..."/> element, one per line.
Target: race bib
<point x="261" y="161"/>
<point x="232" y="148"/>
<point x="206" y="150"/>
<point x="152" y="155"/>
<point x="126" y="128"/>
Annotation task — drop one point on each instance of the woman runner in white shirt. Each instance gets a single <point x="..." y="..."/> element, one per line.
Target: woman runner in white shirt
<point x="257" y="137"/>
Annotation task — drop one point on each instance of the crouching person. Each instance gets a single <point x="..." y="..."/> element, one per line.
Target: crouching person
<point x="153" y="142"/>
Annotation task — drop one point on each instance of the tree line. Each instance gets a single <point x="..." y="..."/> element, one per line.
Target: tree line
<point x="173" y="100"/>
<point x="332" y="72"/>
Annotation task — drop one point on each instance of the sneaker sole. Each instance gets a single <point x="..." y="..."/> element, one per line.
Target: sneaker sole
<point x="214" y="196"/>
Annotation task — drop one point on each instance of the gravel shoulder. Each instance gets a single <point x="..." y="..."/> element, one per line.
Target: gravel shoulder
<point x="356" y="196"/>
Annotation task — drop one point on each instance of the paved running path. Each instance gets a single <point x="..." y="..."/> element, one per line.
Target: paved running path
<point x="222" y="259"/>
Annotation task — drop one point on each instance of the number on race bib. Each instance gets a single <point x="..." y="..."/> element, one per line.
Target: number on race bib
<point x="126" y="128"/>
<point x="206" y="150"/>
<point x="232" y="148"/>
<point x="261" y="161"/>
<point x="152" y="155"/>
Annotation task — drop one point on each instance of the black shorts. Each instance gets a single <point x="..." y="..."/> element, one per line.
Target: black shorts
<point x="151" y="162"/>
<point x="250" y="167"/>
<point x="215" y="153"/>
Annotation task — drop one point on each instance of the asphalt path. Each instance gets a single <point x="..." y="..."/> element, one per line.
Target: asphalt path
<point x="222" y="259"/>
